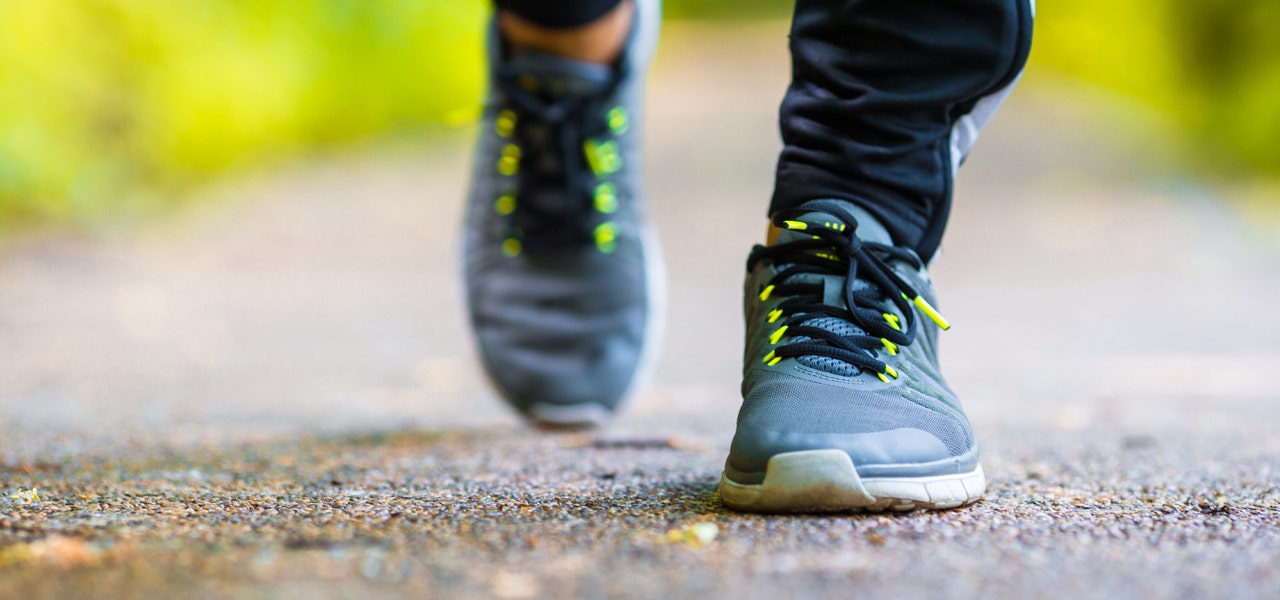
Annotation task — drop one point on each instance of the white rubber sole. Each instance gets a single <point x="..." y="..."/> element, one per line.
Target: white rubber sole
<point x="575" y="416"/>
<point x="824" y="481"/>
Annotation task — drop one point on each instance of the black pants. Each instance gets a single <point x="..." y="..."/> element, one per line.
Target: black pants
<point x="558" y="13"/>
<point x="886" y="98"/>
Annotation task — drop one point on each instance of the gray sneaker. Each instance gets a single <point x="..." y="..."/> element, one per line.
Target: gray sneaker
<point x="563" y="275"/>
<point x="844" y="407"/>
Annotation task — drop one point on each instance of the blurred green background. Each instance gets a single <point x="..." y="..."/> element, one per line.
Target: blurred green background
<point x="113" y="107"/>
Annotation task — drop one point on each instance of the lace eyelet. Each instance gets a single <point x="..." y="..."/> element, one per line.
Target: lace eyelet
<point x="605" y="198"/>
<point x="606" y="237"/>
<point x="505" y="205"/>
<point x="617" y="120"/>
<point x="509" y="164"/>
<point x="505" y="125"/>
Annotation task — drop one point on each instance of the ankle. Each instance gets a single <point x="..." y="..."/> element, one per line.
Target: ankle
<point x="600" y="41"/>
<point x="771" y="234"/>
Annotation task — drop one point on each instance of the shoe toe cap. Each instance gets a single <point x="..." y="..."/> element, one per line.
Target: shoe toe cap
<point x="561" y="342"/>
<point x="873" y="453"/>
<point x="884" y="432"/>
<point x="548" y="382"/>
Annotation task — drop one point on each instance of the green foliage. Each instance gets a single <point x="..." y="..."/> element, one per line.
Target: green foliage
<point x="1213" y="66"/>
<point x="102" y="98"/>
<point x="722" y="9"/>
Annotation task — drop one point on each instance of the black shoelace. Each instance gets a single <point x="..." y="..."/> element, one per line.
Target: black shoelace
<point x="833" y="248"/>
<point x="553" y="208"/>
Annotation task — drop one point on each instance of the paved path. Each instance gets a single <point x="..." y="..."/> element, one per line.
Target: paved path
<point x="275" y="394"/>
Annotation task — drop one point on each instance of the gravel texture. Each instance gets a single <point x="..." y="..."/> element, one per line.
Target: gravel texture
<point x="275" y="395"/>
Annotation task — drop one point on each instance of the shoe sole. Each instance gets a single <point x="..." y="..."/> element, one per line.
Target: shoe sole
<point x="567" y="417"/>
<point x="825" y="481"/>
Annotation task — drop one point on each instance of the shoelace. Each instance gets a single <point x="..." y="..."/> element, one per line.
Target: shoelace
<point x="834" y="249"/>
<point x="576" y="130"/>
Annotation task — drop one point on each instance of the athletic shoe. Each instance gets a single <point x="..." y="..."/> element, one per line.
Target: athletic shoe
<point x="562" y="273"/>
<point x="844" y="407"/>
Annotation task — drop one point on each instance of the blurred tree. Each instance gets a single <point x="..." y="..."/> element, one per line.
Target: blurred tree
<point x="1213" y="67"/>
<point x="103" y="100"/>
<point x="1230" y="57"/>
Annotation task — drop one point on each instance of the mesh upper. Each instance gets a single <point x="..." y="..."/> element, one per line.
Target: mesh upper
<point x="834" y="366"/>
<point x="787" y="404"/>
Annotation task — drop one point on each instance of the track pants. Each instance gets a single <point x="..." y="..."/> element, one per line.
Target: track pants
<point x="886" y="98"/>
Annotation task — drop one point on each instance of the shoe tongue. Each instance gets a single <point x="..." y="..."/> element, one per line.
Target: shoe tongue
<point x="551" y="76"/>
<point x="868" y="228"/>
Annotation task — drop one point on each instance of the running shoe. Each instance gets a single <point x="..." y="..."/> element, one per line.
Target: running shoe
<point x="562" y="273"/>
<point x="844" y="406"/>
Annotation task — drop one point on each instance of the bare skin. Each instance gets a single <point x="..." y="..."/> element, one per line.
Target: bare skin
<point x="771" y="236"/>
<point x="600" y="41"/>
